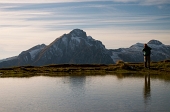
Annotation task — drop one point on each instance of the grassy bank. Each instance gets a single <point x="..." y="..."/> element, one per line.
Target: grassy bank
<point x="120" y="67"/>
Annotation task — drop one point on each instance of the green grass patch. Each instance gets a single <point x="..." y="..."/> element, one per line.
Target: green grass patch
<point x="69" y="69"/>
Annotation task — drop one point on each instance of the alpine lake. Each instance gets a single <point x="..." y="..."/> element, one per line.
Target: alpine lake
<point x="86" y="93"/>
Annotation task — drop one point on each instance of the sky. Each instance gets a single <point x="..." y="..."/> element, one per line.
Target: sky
<point x="116" y="23"/>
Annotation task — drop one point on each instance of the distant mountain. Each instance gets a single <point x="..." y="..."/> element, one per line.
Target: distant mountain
<point x="134" y="53"/>
<point x="24" y="58"/>
<point x="78" y="48"/>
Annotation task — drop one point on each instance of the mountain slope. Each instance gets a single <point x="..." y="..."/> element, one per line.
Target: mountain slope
<point x="76" y="48"/>
<point x="24" y="58"/>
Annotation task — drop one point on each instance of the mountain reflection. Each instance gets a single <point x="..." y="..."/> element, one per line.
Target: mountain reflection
<point x="147" y="88"/>
<point x="77" y="81"/>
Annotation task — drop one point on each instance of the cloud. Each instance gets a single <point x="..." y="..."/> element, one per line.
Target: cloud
<point x="50" y="15"/>
<point x="145" y="2"/>
<point x="47" y="1"/>
<point x="34" y="1"/>
<point x="155" y="2"/>
<point x="76" y="15"/>
<point x="53" y="16"/>
<point x="142" y="2"/>
<point x="126" y="1"/>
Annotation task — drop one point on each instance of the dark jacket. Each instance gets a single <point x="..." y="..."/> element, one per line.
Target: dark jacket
<point x="147" y="51"/>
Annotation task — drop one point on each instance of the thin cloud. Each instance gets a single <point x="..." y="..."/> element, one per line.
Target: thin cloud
<point x="126" y="1"/>
<point x="54" y="16"/>
<point x="48" y="1"/>
<point x="145" y="2"/>
<point x="142" y="2"/>
<point x="34" y="1"/>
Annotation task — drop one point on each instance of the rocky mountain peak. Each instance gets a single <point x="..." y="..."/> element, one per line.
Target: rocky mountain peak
<point x="156" y="42"/>
<point x="78" y="33"/>
<point x="37" y="47"/>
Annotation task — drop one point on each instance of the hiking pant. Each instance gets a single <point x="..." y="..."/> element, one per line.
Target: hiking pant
<point x="147" y="61"/>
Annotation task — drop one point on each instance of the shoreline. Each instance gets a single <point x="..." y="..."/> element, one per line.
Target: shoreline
<point x="162" y="67"/>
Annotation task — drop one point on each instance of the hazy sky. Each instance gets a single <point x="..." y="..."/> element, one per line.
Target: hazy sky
<point x="117" y="23"/>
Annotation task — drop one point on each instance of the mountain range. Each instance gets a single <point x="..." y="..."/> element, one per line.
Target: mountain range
<point x="78" y="48"/>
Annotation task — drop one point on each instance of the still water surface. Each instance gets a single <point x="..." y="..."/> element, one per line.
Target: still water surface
<point x="109" y="93"/>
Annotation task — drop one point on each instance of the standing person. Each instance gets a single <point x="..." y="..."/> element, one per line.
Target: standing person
<point x="146" y="53"/>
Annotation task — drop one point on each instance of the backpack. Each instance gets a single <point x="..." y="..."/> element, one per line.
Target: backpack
<point x="147" y="52"/>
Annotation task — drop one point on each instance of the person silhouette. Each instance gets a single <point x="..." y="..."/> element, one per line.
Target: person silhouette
<point x="146" y="53"/>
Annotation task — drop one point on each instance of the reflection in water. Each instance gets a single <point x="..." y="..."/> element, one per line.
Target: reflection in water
<point x="76" y="84"/>
<point x="147" y="88"/>
<point x="77" y="81"/>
